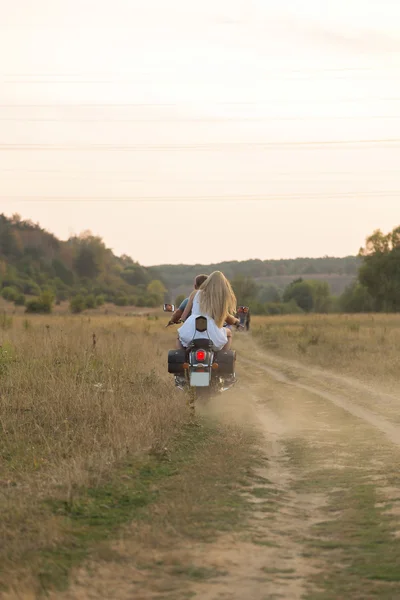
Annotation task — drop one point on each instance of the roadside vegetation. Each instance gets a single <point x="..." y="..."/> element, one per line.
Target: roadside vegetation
<point x="366" y="346"/>
<point x="93" y="432"/>
<point x="367" y="283"/>
<point x="77" y="397"/>
<point x="39" y="270"/>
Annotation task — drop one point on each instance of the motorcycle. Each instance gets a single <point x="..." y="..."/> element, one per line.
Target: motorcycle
<point x="243" y="314"/>
<point x="200" y="369"/>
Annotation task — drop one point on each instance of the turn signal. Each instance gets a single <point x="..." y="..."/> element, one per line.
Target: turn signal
<point x="185" y="365"/>
<point x="215" y="366"/>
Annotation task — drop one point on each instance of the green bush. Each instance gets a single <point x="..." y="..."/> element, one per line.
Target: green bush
<point x="100" y="300"/>
<point x="30" y="287"/>
<point x="34" y="306"/>
<point x="9" y="293"/>
<point x="77" y="304"/>
<point x="61" y="296"/>
<point x="291" y="308"/>
<point x="273" y="308"/>
<point x="19" y="300"/>
<point x="90" y="301"/>
<point x="140" y="301"/>
<point x="122" y="301"/>
<point x="151" y="301"/>
<point x="42" y="304"/>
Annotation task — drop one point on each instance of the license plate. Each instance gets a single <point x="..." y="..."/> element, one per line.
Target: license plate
<point x="199" y="379"/>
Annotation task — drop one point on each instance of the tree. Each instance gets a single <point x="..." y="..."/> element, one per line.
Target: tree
<point x="91" y="255"/>
<point x="135" y="274"/>
<point x="380" y="271"/>
<point x="62" y="272"/>
<point x="321" y="295"/>
<point x="86" y="263"/>
<point x="179" y="299"/>
<point x="356" y="299"/>
<point x="302" y="293"/>
<point x="269" y="293"/>
<point x="245" y="289"/>
<point x="10" y="242"/>
<point x="157" y="290"/>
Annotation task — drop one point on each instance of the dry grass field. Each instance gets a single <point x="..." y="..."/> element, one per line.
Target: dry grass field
<point x="89" y="420"/>
<point x="286" y="487"/>
<point x="78" y="395"/>
<point x="366" y="346"/>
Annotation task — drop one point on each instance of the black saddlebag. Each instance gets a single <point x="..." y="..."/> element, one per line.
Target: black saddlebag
<point x="176" y="358"/>
<point x="226" y="362"/>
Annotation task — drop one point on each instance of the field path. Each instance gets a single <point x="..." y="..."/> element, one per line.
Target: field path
<point x="321" y="500"/>
<point x="294" y="404"/>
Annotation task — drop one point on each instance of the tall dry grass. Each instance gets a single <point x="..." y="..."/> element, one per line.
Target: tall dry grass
<point x="366" y="346"/>
<point x="77" y="395"/>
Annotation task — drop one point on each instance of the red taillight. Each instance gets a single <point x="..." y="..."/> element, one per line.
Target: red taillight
<point x="200" y="355"/>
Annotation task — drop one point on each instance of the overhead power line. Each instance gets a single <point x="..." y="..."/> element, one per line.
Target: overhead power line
<point x="298" y="76"/>
<point x="197" y="147"/>
<point x="380" y="68"/>
<point x="277" y="69"/>
<point x="104" y="173"/>
<point x="81" y="105"/>
<point x="188" y="199"/>
<point x="201" y="119"/>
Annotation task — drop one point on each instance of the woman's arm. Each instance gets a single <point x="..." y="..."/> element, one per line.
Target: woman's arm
<point x="231" y="320"/>
<point x="189" y="305"/>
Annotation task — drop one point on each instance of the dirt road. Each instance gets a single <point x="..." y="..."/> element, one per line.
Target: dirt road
<point x="326" y="516"/>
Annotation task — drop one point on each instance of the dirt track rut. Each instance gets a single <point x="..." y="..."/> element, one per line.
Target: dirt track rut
<point x="292" y="403"/>
<point x="311" y="422"/>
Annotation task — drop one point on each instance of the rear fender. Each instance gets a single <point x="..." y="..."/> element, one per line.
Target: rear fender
<point x="200" y="372"/>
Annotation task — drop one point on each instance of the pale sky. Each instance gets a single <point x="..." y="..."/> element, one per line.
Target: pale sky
<point x="268" y="129"/>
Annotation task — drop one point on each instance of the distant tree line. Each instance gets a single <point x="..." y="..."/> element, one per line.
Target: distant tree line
<point x="38" y="270"/>
<point x="375" y="289"/>
<point x="301" y="295"/>
<point x="376" y="285"/>
<point x="259" y="269"/>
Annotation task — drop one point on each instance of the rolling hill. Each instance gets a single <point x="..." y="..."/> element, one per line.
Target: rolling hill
<point x="337" y="272"/>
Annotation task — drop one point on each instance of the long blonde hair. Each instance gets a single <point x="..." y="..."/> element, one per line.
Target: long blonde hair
<point x="217" y="298"/>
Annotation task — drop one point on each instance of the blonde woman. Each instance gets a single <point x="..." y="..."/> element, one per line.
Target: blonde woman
<point x="214" y="300"/>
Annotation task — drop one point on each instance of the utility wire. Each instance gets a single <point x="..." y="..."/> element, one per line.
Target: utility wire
<point x="189" y="103"/>
<point x="270" y="70"/>
<point x="201" y="119"/>
<point x="141" y="81"/>
<point x="102" y="173"/>
<point x="189" y="199"/>
<point x="197" y="147"/>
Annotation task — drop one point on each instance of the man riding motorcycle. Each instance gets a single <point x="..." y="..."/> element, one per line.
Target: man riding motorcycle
<point x="199" y="280"/>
